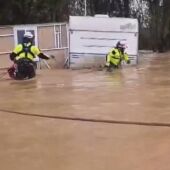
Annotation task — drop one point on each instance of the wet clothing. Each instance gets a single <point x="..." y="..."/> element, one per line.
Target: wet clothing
<point x="115" y="57"/>
<point x="24" y="65"/>
<point x="28" y="51"/>
<point x="22" y="69"/>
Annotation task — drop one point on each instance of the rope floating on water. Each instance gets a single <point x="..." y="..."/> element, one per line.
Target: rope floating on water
<point x="137" y="123"/>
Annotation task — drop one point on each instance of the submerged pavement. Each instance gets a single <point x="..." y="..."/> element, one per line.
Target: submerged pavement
<point x="88" y="119"/>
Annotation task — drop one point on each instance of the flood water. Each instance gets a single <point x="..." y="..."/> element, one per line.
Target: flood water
<point x="88" y="119"/>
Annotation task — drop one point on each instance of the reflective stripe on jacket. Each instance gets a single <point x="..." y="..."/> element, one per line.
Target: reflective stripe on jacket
<point x="29" y="51"/>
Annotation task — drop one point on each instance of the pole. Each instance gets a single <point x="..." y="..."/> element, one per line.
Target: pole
<point x="85" y="7"/>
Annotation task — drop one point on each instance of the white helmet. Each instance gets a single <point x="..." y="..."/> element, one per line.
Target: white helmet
<point x="121" y="45"/>
<point x="28" y="35"/>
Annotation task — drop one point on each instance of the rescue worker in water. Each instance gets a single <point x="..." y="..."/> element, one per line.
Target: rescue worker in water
<point x="23" y="56"/>
<point x="116" y="56"/>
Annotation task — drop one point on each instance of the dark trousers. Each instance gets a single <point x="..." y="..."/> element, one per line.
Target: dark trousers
<point x="22" y="69"/>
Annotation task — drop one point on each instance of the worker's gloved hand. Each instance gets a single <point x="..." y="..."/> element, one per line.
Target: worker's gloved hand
<point x="128" y="62"/>
<point x="107" y="64"/>
<point x="48" y="57"/>
<point x="44" y="56"/>
<point x="12" y="56"/>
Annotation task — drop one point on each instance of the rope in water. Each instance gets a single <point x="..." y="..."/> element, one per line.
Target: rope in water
<point x="137" y="123"/>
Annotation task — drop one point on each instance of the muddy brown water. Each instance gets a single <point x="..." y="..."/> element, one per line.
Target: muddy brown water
<point x="117" y="120"/>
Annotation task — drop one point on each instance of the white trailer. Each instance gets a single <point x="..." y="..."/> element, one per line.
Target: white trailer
<point x="92" y="37"/>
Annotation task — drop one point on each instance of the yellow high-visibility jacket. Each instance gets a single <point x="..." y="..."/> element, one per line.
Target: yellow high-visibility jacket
<point x="115" y="57"/>
<point x="26" y="51"/>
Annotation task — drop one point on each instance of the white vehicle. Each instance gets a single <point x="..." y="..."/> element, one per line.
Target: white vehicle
<point x="92" y="37"/>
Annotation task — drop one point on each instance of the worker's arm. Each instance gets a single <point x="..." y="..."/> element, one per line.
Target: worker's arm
<point x="126" y="58"/>
<point x="107" y="60"/>
<point x="38" y="53"/>
<point x="15" y="52"/>
<point x="43" y="56"/>
<point x="12" y="56"/>
<point x="109" y="56"/>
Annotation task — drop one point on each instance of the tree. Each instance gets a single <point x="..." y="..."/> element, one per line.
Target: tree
<point x="159" y="23"/>
<point x="153" y="15"/>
